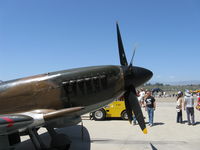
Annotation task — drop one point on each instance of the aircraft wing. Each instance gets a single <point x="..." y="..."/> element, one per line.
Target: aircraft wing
<point x="10" y="123"/>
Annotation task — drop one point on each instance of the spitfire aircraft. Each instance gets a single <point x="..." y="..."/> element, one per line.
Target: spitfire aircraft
<point x="58" y="99"/>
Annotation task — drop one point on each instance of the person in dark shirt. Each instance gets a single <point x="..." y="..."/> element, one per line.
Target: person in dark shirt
<point x="150" y="106"/>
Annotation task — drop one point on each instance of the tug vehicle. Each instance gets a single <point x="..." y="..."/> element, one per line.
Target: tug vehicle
<point x="116" y="109"/>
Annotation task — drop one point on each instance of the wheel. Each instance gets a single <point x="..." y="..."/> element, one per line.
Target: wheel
<point x="60" y="142"/>
<point x="99" y="114"/>
<point x="14" y="138"/>
<point x="124" y="115"/>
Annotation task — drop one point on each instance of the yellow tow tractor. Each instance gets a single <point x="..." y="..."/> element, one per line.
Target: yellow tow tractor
<point x="194" y="92"/>
<point x="114" y="110"/>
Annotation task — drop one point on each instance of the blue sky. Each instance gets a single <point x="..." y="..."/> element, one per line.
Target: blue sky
<point x="39" y="36"/>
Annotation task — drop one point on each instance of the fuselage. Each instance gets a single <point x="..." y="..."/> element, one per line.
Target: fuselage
<point x="62" y="89"/>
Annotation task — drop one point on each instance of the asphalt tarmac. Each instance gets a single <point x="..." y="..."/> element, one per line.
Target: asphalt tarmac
<point x="117" y="134"/>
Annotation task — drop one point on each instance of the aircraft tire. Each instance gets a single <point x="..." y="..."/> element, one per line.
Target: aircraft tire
<point x="60" y="142"/>
<point x="14" y="138"/>
<point x="99" y="114"/>
<point x="124" y="115"/>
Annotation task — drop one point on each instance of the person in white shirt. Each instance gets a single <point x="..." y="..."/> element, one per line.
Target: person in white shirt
<point x="141" y="96"/>
<point x="189" y="107"/>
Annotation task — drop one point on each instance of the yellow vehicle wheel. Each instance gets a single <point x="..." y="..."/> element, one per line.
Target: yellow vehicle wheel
<point x="124" y="115"/>
<point x="99" y="114"/>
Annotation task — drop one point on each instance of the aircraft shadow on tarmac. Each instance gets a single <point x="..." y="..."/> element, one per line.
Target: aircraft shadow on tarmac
<point x="153" y="147"/>
<point x="73" y="132"/>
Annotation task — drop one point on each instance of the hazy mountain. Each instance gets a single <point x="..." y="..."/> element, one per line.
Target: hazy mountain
<point x="193" y="82"/>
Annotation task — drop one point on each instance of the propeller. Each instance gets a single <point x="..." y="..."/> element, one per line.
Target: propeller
<point x="122" y="55"/>
<point x="133" y="77"/>
<point x="131" y="63"/>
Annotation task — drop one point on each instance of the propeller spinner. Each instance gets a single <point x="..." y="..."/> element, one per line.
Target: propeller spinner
<point x="133" y="77"/>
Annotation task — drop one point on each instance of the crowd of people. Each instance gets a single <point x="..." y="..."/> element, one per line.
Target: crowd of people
<point x="185" y="101"/>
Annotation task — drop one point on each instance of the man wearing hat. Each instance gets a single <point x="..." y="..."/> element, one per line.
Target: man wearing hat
<point x="189" y="107"/>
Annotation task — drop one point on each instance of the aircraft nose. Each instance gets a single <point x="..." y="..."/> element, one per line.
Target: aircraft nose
<point x="141" y="75"/>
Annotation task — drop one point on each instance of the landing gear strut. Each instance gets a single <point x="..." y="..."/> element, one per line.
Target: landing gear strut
<point x="58" y="141"/>
<point x="36" y="140"/>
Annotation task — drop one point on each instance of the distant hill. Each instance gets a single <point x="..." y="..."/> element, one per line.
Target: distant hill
<point x="173" y="87"/>
<point x="191" y="82"/>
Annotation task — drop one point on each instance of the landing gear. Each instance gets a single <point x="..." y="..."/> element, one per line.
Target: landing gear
<point x="36" y="140"/>
<point x="58" y="141"/>
<point x="8" y="142"/>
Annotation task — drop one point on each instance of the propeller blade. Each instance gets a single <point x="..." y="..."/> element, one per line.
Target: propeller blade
<point x="123" y="60"/>
<point x="135" y="106"/>
<point x="131" y="63"/>
<point x="128" y="108"/>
